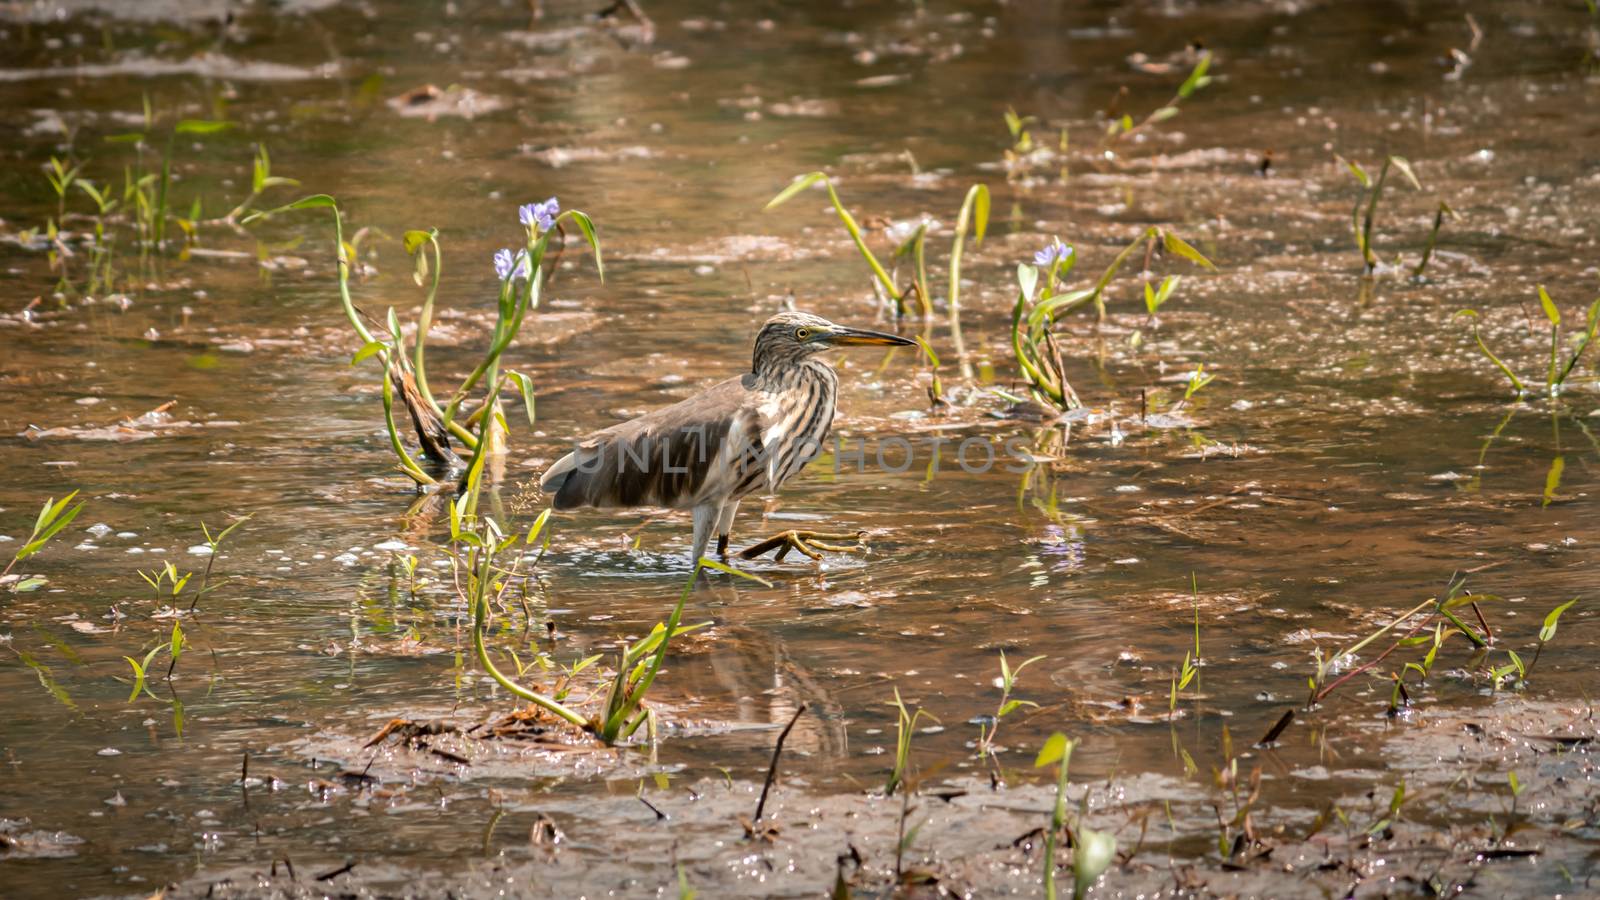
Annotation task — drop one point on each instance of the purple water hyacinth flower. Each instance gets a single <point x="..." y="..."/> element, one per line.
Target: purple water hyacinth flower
<point x="543" y="215"/>
<point x="504" y="263"/>
<point x="1053" y="254"/>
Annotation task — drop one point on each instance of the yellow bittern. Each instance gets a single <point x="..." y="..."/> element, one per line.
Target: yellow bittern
<point x="751" y="432"/>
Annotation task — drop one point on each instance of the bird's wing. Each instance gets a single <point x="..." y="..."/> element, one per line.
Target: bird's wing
<point x="671" y="457"/>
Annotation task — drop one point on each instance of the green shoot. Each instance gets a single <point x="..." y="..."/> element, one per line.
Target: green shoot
<point x="1556" y="371"/>
<point x="1121" y="128"/>
<point x="1008" y="681"/>
<point x="55" y="516"/>
<point x="905" y="726"/>
<point x="1361" y="225"/>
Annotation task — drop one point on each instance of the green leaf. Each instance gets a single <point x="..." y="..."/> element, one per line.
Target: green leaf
<point x="177" y="642"/>
<point x="1405" y="169"/>
<point x="1197" y="78"/>
<point x="1177" y="245"/>
<point x="1550" y="311"/>
<point x="1053" y="750"/>
<point x="315" y="201"/>
<point x="933" y="358"/>
<point x="1163" y="114"/>
<point x="1516" y="382"/>
<point x="138" y="677"/>
<point x="525" y="386"/>
<point x="1356" y="170"/>
<point x="1012" y="705"/>
<point x="1027" y="279"/>
<point x="215" y="542"/>
<point x="1548" y="632"/>
<point x="1552" y="479"/>
<point x="29" y="584"/>
<point x="201" y="126"/>
<point x="708" y="563"/>
<point x="367" y="349"/>
<point x="93" y="192"/>
<point x="586" y="225"/>
<point x="51" y="521"/>
<point x="798" y="185"/>
<point x="414" y="239"/>
<point x="538" y="526"/>
<point x="980" y="211"/>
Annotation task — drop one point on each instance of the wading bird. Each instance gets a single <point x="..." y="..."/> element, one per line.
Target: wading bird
<point x="750" y="433"/>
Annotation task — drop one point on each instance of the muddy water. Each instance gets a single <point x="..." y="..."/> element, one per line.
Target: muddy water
<point x="1353" y="452"/>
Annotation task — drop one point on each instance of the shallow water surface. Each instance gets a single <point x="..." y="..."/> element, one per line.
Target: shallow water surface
<point x="1354" y="451"/>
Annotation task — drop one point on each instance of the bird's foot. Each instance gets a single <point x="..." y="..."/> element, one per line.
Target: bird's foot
<point x="811" y="543"/>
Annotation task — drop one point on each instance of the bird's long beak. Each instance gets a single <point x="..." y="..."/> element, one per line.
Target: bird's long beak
<point x="853" y="336"/>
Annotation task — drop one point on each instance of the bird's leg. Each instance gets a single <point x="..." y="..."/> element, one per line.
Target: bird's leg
<point x="724" y="524"/>
<point x="705" y="517"/>
<point x="810" y="543"/>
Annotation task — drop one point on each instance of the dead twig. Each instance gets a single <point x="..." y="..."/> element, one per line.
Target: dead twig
<point x="772" y="768"/>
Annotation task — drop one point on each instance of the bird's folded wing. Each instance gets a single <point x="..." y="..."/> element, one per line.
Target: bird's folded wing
<point x="673" y="457"/>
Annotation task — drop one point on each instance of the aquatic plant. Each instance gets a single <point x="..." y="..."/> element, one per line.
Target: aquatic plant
<point x="1191" y="659"/>
<point x="1444" y="617"/>
<point x="1236" y="833"/>
<point x="1008" y="681"/>
<point x="1372" y="191"/>
<point x="1119" y="129"/>
<point x="261" y="180"/>
<point x="1547" y="631"/>
<point x="1032" y="319"/>
<point x="166" y="581"/>
<point x="477" y="544"/>
<point x="1556" y="373"/>
<point x="973" y="216"/>
<point x="54" y="516"/>
<point x="1093" y="851"/>
<point x="213" y="545"/>
<point x="906" y="720"/>
<point x="521" y="277"/>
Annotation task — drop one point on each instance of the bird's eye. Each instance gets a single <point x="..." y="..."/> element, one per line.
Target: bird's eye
<point x="801" y="334"/>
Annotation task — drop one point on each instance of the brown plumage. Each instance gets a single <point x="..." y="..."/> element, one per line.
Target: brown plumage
<point x="749" y="433"/>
